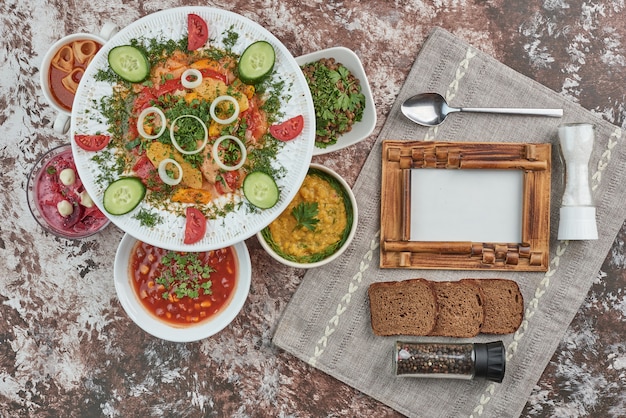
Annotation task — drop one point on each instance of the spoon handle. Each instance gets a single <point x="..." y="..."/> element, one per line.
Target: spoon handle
<point x="555" y="113"/>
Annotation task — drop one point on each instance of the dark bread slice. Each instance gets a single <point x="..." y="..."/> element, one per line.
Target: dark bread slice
<point x="504" y="306"/>
<point x="407" y="307"/>
<point x="461" y="309"/>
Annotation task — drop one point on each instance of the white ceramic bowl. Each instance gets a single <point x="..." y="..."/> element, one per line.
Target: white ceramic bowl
<point x="355" y="220"/>
<point x="363" y="128"/>
<point x="152" y="325"/>
<point x="62" y="121"/>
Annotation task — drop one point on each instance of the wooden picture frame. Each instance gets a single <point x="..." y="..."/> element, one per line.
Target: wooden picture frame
<point x="398" y="251"/>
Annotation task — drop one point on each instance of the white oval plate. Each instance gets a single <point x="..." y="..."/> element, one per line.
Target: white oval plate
<point x="294" y="157"/>
<point x="363" y="128"/>
<point x="160" y="329"/>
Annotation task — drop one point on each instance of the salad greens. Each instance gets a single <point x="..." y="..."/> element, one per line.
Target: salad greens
<point x="337" y="99"/>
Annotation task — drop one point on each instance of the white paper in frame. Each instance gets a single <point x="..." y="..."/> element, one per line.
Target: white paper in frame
<point x="466" y="205"/>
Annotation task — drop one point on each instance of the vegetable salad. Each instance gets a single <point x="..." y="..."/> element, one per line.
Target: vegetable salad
<point x="190" y="121"/>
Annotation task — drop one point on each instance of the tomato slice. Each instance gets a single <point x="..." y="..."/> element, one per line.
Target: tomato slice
<point x="195" y="225"/>
<point x="288" y="129"/>
<point x="197" y="32"/>
<point x="169" y="86"/>
<point x="207" y="72"/>
<point x="148" y="174"/>
<point x="232" y="180"/>
<point x="92" y="142"/>
<point x="144" y="99"/>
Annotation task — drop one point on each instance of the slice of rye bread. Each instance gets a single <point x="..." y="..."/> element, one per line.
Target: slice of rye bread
<point x="407" y="307"/>
<point x="461" y="309"/>
<point x="504" y="306"/>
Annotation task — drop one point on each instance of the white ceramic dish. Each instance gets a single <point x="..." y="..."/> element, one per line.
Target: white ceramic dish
<point x="62" y="120"/>
<point x="160" y="329"/>
<point x="294" y="157"/>
<point x="355" y="220"/>
<point x="362" y="129"/>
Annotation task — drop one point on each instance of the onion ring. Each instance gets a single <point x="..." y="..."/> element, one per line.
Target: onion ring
<point x="142" y="117"/>
<point x="219" y="100"/>
<point x="194" y="73"/>
<point x="242" y="148"/>
<point x="175" y="142"/>
<point x="163" y="172"/>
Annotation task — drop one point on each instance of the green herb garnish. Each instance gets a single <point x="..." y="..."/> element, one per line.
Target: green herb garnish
<point x="305" y="214"/>
<point x="148" y="218"/>
<point x="230" y="38"/>
<point x="337" y="99"/>
<point x="184" y="274"/>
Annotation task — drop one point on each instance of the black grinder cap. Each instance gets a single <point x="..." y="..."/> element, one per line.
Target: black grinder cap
<point x="490" y="361"/>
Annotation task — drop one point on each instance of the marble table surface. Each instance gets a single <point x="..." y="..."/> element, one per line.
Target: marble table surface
<point x="67" y="348"/>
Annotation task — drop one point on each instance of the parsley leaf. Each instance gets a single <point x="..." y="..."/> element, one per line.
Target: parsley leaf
<point x="305" y="214"/>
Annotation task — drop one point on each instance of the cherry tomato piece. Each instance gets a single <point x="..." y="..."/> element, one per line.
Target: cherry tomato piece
<point x="169" y="86"/>
<point x="288" y="129"/>
<point x="256" y="121"/>
<point x="92" y="142"/>
<point x="148" y="174"/>
<point x="209" y="73"/>
<point x="231" y="180"/>
<point x="144" y="99"/>
<point x="197" y="32"/>
<point x="195" y="225"/>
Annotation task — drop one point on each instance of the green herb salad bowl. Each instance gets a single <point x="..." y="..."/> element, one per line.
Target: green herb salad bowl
<point x="317" y="226"/>
<point x="362" y="128"/>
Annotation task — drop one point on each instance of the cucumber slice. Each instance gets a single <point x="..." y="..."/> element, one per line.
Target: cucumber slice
<point x="256" y="62"/>
<point x="129" y="62"/>
<point x="260" y="189"/>
<point x="123" y="195"/>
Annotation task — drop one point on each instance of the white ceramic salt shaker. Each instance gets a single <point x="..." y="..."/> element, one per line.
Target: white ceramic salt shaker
<point x="577" y="213"/>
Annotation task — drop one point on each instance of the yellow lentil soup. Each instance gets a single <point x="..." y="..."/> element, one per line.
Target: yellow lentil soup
<point x="315" y="224"/>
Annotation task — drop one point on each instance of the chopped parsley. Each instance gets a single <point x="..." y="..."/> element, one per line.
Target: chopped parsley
<point x="148" y="218"/>
<point x="337" y="99"/>
<point x="184" y="275"/>
<point x="230" y="38"/>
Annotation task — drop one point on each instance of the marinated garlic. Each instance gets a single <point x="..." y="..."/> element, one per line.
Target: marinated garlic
<point x="65" y="208"/>
<point x="67" y="176"/>
<point x="85" y="199"/>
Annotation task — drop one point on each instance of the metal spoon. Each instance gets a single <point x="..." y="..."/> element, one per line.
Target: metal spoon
<point x="430" y="109"/>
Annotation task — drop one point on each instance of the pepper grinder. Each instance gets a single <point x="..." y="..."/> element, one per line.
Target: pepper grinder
<point x="464" y="361"/>
<point x="577" y="213"/>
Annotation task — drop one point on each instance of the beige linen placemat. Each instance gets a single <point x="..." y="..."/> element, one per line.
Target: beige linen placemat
<point x="327" y="322"/>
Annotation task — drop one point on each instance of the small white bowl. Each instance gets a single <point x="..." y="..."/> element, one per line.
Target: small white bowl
<point x="355" y="220"/>
<point x="62" y="120"/>
<point x="152" y="325"/>
<point x="363" y="128"/>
